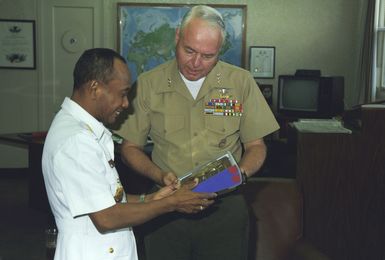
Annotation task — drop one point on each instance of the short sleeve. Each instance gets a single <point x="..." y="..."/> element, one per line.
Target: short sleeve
<point x="137" y="125"/>
<point x="80" y="170"/>
<point x="257" y="120"/>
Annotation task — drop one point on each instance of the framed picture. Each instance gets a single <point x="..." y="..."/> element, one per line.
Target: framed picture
<point x="146" y="33"/>
<point x="262" y="61"/>
<point x="17" y="44"/>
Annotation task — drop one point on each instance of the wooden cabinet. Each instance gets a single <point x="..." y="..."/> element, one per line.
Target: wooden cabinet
<point x="342" y="179"/>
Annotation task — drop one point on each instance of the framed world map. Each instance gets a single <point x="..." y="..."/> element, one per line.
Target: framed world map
<point x="146" y="34"/>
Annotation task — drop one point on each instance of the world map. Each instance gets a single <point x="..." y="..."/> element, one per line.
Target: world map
<point x="147" y="35"/>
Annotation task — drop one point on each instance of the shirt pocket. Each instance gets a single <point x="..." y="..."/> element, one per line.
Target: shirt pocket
<point x="167" y="125"/>
<point x="221" y="129"/>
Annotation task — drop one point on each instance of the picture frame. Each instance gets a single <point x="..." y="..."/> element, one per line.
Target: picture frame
<point x="17" y="44"/>
<point x="146" y="33"/>
<point x="267" y="92"/>
<point x="262" y="61"/>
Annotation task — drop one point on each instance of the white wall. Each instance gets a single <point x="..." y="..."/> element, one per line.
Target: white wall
<point x="18" y="92"/>
<point x="307" y="34"/>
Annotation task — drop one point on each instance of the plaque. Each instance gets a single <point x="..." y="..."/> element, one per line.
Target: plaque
<point x="220" y="175"/>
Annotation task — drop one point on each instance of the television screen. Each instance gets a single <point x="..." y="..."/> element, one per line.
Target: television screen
<point x="310" y="96"/>
<point x="299" y="94"/>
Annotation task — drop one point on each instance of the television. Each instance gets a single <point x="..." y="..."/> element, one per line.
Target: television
<point x="310" y="96"/>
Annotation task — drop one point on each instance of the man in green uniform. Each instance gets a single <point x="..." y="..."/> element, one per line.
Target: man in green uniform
<point x="195" y="108"/>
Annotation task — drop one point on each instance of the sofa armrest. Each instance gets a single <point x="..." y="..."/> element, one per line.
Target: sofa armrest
<point x="303" y="250"/>
<point x="276" y="216"/>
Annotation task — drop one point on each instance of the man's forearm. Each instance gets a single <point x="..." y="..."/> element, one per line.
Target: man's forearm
<point x="253" y="157"/>
<point x="134" y="157"/>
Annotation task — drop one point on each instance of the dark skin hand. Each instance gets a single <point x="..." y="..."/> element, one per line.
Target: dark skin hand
<point x="123" y="215"/>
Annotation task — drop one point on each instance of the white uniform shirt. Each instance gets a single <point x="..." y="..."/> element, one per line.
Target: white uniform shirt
<point x="79" y="180"/>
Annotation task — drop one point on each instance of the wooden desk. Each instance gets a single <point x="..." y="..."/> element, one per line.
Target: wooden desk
<point x="342" y="179"/>
<point x="34" y="143"/>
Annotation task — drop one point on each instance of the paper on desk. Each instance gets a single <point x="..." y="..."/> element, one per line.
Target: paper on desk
<point x="321" y="126"/>
<point x="373" y="106"/>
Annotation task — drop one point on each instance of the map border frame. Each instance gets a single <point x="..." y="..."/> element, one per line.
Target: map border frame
<point x="159" y="6"/>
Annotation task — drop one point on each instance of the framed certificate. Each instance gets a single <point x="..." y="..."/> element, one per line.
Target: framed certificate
<point x="262" y="61"/>
<point x="17" y="44"/>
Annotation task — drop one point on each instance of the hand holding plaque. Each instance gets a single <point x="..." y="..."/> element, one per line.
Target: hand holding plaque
<point x="220" y="175"/>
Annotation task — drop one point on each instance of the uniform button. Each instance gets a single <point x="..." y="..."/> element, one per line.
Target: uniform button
<point x="222" y="143"/>
<point x="223" y="130"/>
<point x="110" y="250"/>
<point x="197" y="163"/>
<point x="195" y="134"/>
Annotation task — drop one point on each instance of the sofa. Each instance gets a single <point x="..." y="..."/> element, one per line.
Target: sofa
<point x="276" y="220"/>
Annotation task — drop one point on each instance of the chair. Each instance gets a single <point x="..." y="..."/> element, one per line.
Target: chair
<point x="276" y="221"/>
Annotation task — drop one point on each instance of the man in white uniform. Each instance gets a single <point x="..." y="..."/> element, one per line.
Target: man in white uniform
<point x="93" y="214"/>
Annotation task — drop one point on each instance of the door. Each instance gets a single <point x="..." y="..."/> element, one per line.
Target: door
<point x="68" y="27"/>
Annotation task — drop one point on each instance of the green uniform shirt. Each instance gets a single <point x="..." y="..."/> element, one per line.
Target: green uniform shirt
<point x="183" y="135"/>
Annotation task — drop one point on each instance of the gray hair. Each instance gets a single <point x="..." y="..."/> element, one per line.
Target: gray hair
<point x="207" y="13"/>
